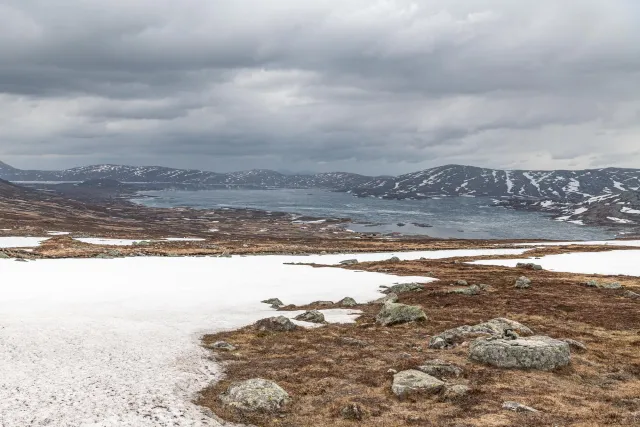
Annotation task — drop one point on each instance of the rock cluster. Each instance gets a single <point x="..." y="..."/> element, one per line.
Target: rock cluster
<point x="529" y="265"/>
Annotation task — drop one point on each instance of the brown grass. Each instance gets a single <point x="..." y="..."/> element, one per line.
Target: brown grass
<point x="323" y="374"/>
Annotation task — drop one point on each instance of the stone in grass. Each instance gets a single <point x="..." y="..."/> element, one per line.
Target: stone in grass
<point x="347" y="302"/>
<point x="471" y="290"/>
<point x="631" y="294"/>
<point x="537" y="352"/>
<point x="222" y="345"/>
<point x="273" y="302"/>
<point x="353" y="412"/>
<point x="575" y="344"/>
<point x="255" y="395"/>
<point x="311" y="316"/>
<point x="523" y="282"/>
<point x="412" y="382"/>
<point x="275" y="324"/>
<point x="612" y="285"/>
<point x="439" y="368"/>
<point x="461" y="283"/>
<point x="404" y="287"/>
<point x="393" y="313"/>
<point x="456" y="391"/>
<point x="517" y="407"/>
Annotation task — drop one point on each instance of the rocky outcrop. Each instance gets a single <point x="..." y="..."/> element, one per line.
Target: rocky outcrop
<point x="412" y="382"/>
<point x="394" y="313"/>
<point x="537" y="352"/>
<point x="275" y="324"/>
<point x="255" y="395"/>
<point x="455" y="391"/>
<point x="492" y="328"/>
<point x="312" y="316"/>
<point x="273" y="302"/>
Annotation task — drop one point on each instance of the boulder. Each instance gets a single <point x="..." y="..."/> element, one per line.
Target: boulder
<point x="529" y="265"/>
<point x="349" y="262"/>
<point x="394" y="313"/>
<point x="404" y="287"/>
<point x="412" y="382"/>
<point x="312" y="316"/>
<point x="471" y="290"/>
<point x="222" y="345"/>
<point x="275" y="324"/>
<point x="517" y="407"/>
<point x="612" y="285"/>
<point x="393" y="259"/>
<point x="389" y="298"/>
<point x="493" y="328"/>
<point x="537" y="352"/>
<point x="456" y="391"/>
<point x="523" y="282"/>
<point x="631" y="294"/>
<point x="273" y="302"/>
<point x="347" y="302"/>
<point x="255" y="395"/>
<point x="439" y="368"/>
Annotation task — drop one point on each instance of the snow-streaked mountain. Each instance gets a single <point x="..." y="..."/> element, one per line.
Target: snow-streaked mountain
<point x="450" y="180"/>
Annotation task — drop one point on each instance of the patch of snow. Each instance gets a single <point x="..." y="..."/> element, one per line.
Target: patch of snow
<point x="213" y="230"/>
<point x="619" y="186"/>
<point x="620" y="220"/>
<point x="184" y="239"/>
<point x="606" y="263"/>
<point x="580" y="211"/>
<point x="106" y="343"/>
<point x="586" y="243"/>
<point x="21" y="242"/>
<point x="107" y="242"/>
<point x="629" y="210"/>
<point x="58" y="233"/>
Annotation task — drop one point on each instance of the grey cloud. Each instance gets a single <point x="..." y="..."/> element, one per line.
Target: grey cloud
<point x="353" y="84"/>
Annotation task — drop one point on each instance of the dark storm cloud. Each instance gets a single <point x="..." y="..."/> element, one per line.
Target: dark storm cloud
<point x="328" y="84"/>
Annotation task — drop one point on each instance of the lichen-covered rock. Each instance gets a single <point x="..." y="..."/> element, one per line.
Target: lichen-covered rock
<point x="347" y="302"/>
<point x="537" y="352"/>
<point x="461" y="283"/>
<point x="404" y="287"/>
<point x="439" y="368"/>
<point x="273" y="302"/>
<point x="493" y="328"/>
<point x="632" y="295"/>
<point x="389" y="298"/>
<point x="394" y="313"/>
<point x="517" y="407"/>
<point x="575" y="344"/>
<point x="352" y="341"/>
<point x="471" y="290"/>
<point x="349" y="262"/>
<point x="222" y="345"/>
<point x="456" y="391"/>
<point x="255" y="395"/>
<point x="275" y="324"/>
<point x="612" y="285"/>
<point x="523" y="282"/>
<point x="322" y="303"/>
<point x="312" y="316"/>
<point x="412" y="382"/>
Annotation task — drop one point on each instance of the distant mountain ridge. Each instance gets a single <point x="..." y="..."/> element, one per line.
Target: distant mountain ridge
<point x="450" y="180"/>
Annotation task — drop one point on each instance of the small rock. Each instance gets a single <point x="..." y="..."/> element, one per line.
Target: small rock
<point x="21" y="260"/>
<point x="471" y="290"/>
<point x="352" y="411"/>
<point x="456" y="391"/>
<point x="517" y="407"/>
<point x="411" y="382"/>
<point x="592" y="284"/>
<point x="312" y="316"/>
<point x="392" y="371"/>
<point x="631" y="294"/>
<point x="529" y="265"/>
<point x="575" y="344"/>
<point x="275" y="324"/>
<point x="349" y="262"/>
<point x="347" y="302"/>
<point x="439" y="368"/>
<point x="273" y="302"/>
<point x="389" y="298"/>
<point x="222" y="345"/>
<point x="404" y="287"/>
<point x="393" y="259"/>
<point x="394" y="313"/>
<point x="612" y="285"/>
<point x="461" y="283"/>
<point x="255" y="395"/>
<point x="523" y="282"/>
<point x="537" y="352"/>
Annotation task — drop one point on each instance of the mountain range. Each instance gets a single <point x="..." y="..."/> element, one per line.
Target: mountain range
<point x="573" y="186"/>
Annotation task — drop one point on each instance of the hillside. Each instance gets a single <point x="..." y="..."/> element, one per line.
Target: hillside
<point x="451" y="180"/>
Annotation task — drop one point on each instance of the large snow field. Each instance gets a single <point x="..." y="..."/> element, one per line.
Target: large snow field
<point x="21" y="242"/>
<point x="605" y="263"/>
<point x="91" y="342"/>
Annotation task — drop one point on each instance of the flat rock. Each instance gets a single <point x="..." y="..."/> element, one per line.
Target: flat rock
<point x="404" y="287"/>
<point x="439" y="368"/>
<point x="412" y="382"/>
<point x="517" y="407"/>
<point x="275" y="324"/>
<point x="322" y="303"/>
<point x="537" y="352"/>
<point x="497" y="327"/>
<point x="631" y="294"/>
<point x="456" y="391"/>
<point x="523" y="282"/>
<point x="461" y="283"/>
<point x="312" y="316"/>
<point x="255" y="395"/>
<point x="394" y="313"/>
<point x="349" y="262"/>
<point x="471" y="290"/>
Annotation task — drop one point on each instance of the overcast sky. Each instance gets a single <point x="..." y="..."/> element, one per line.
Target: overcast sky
<point x="367" y="86"/>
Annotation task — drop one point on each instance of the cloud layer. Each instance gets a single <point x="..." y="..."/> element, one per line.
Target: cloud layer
<point x="371" y="86"/>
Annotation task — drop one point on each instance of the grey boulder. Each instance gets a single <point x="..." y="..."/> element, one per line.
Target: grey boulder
<point x="273" y="302"/>
<point x="389" y="298"/>
<point x="349" y="262"/>
<point x="404" y="287"/>
<point x="412" y="382"/>
<point x="255" y="395"/>
<point x="523" y="282"/>
<point x="471" y="290"/>
<point x="394" y="313"/>
<point x="312" y="316"/>
<point x="497" y="327"/>
<point x="347" y="302"/>
<point x="439" y="368"/>
<point x="275" y="324"/>
<point x="537" y="352"/>
<point x="529" y="265"/>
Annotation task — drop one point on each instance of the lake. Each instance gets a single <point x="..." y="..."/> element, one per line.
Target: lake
<point x="448" y="217"/>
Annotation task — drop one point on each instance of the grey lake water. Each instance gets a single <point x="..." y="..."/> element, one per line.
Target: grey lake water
<point x="448" y="217"/>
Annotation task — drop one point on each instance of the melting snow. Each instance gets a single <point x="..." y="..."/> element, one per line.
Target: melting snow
<point x="107" y="242"/>
<point x="629" y="211"/>
<point x="21" y="242"/>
